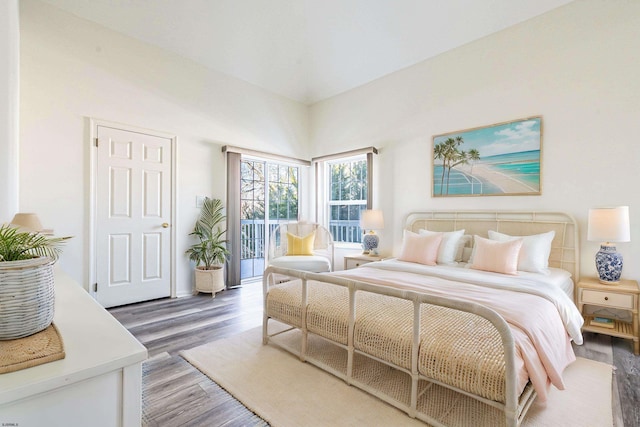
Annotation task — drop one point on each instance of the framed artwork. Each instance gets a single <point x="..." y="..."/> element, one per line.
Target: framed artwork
<point x="497" y="160"/>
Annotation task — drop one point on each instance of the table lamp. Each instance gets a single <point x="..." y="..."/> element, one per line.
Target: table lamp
<point x="27" y="221"/>
<point x="608" y="225"/>
<point x="371" y="220"/>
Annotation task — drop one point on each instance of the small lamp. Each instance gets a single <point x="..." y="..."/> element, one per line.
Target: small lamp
<point x="609" y="225"/>
<point x="28" y="221"/>
<point x="371" y="220"/>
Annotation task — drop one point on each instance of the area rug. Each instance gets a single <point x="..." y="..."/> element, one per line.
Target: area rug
<point x="286" y="392"/>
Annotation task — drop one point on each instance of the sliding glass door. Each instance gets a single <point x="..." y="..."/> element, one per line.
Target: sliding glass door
<point x="268" y="197"/>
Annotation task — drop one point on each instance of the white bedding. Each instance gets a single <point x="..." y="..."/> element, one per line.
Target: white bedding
<point x="550" y="286"/>
<point x="541" y="315"/>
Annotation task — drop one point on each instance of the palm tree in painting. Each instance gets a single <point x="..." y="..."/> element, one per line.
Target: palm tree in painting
<point x="459" y="158"/>
<point x="473" y="156"/>
<point x="439" y="154"/>
<point x="451" y="156"/>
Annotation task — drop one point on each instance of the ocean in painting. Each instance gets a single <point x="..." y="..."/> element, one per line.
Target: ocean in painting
<point x="522" y="166"/>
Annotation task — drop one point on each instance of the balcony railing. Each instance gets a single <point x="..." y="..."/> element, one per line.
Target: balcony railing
<point x="347" y="231"/>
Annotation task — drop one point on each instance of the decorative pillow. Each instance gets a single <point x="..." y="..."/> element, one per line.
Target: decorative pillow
<point x="465" y="243"/>
<point x="449" y="247"/>
<point x="422" y="249"/>
<point x="534" y="254"/>
<point x="466" y="254"/>
<point x="499" y="257"/>
<point x="297" y="245"/>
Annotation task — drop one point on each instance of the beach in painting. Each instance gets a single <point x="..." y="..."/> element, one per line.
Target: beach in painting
<point x="491" y="160"/>
<point x="511" y="173"/>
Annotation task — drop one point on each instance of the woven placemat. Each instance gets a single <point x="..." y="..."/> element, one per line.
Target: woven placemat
<point x="43" y="347"/>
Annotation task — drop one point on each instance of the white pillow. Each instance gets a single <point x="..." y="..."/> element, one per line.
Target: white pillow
<point x="535" y="251"/>
<point x="450" y="250"/>
<point x="499" y="257"/>
<point x="422" y="249"/>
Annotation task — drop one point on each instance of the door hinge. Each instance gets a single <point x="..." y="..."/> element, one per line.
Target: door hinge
<point x="96" y="141"/>
<point x="95" y="287"/>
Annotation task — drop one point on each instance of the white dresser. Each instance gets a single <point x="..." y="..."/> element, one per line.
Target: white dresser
<point x="98" y="383"/>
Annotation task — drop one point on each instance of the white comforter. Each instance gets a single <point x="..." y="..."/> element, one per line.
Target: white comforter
<point x="541" y="339"/>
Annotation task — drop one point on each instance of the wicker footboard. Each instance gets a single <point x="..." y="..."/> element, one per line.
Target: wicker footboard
<point x="433" y="346"/>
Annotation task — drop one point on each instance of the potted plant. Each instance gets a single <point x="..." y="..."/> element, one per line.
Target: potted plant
<point x="26" y="281"/>
<point x="211" y="252"/>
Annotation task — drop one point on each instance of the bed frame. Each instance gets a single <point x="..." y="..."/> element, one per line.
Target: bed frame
<point x="394" y="376"/>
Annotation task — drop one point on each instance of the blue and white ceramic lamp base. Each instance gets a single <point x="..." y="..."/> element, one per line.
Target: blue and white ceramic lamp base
<point x="609" y="264"/>
<point x="370" y="244"/>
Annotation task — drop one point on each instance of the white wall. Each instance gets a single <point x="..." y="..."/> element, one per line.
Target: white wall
<point x="9" y="106"/>
<point x="577" y="66"/>
<point x="72" y="70"/>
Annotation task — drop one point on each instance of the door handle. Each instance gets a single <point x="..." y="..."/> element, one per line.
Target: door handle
<point x="165" y="225"/>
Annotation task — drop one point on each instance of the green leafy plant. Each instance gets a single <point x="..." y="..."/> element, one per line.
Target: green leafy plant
<point x="16" y="245"/>
<point x="211" y="251"/>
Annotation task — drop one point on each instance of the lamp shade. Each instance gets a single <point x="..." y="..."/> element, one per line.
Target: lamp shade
<point x="372" y="220"/>
<point x="609" y="224"/>
<point x="29" y="221"/>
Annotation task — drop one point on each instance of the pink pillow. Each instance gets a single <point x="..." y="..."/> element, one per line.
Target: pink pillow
<point x="420" y="248"/>
<point x="499" y="257"/>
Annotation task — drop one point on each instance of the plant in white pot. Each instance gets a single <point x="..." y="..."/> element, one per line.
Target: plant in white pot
<point x="211" y="252"/>
<point x="26" y="281"/>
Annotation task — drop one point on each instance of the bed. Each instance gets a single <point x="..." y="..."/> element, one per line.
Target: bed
<point x="449" y="331"/>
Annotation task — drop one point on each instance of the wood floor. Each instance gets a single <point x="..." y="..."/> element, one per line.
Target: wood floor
<point x="176" y="394"/>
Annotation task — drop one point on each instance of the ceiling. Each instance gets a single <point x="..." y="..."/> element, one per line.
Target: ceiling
<point x="307" y="50"/>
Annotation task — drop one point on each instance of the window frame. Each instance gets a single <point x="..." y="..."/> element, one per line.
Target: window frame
<point x="322" y="183"/>
<point x="329" y="203"/>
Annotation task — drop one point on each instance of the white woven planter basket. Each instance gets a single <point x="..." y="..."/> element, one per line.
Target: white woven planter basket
<point x="26" y="297"/>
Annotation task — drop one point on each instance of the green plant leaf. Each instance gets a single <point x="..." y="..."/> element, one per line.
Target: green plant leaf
<point x="16" y="245"/>
<point x="212" y="247"/>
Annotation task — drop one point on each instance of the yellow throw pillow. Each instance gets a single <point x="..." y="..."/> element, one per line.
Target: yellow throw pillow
<point x="297" y="245"/>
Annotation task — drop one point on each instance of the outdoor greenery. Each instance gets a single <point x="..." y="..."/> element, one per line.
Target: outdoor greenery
<point x="16" y="245"/>
<point x="282" y="185"/>
<point x="348" y="187"/>
<point x="211" y="251"/>
<point x="451" y="157"/>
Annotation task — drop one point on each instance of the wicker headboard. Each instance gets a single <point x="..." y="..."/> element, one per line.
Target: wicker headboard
<point x="565" y="248"/>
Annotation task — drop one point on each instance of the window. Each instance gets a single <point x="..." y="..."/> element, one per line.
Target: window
<point x="348" y="194"/>
<point x="264" y="185"/>
<point x="283" y="192"/>
<point x="344" y="186"/>
<point x="255" y="205"/>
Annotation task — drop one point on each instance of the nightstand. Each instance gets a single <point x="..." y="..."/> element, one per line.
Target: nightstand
<point x="356" y="260"/>
<point x="623" y="296"/>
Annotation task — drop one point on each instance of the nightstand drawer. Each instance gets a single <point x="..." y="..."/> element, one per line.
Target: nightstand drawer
<point x="607" y="299"/>
<point x="354" y="263"/>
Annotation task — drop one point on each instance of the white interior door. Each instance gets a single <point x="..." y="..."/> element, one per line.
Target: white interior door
<point x="133" y="216"/>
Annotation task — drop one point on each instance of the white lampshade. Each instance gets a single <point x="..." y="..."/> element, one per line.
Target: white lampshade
<point x="28" y="221"/>
<point x="609" y="224"/>
<point x="372" y="220"/>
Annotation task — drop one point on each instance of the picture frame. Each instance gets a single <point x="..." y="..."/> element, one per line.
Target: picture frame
<point x="502" y="159"/>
